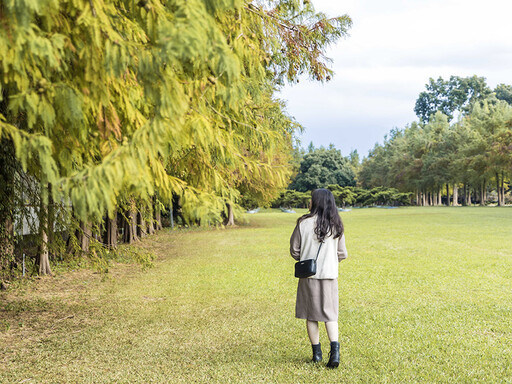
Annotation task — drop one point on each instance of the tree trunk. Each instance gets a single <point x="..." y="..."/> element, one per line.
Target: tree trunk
<point x="469" y="202"/>
<point x="84" y="236"/>
<point x="51" y="221"/>
<point x="44" y="260"/>
<point x="482" y="194"/>
<point x="498" y="189"/>
<point x="151" y="222"/>
<point x="231" y="218"/>
<point x="440" y="196"/>
<point x="130" y="226"/>
<point x="133" y="223"/>
<point x="423" y="200"/>
<point x="502" y="188"/>
<point x="447" y="195"/>
<point x="158" y="219"/>
<point x="141" y="226"/>
<point x="417" y="198"/>
<point x="7" y="171"/>
<point x="6" y="243"/>
<point x="455" y="195"/>
<point x="110" y="239"/>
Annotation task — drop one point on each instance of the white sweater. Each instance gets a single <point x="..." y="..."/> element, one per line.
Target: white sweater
<point x="304" y="245"/>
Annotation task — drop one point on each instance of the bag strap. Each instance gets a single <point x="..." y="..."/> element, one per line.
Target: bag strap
<point x="318" y="251"/>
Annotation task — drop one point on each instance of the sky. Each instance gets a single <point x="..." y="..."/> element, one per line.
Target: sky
<point x="394" y="47"/>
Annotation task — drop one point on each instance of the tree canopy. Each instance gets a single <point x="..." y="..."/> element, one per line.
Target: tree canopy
<point x="114" y="103"/>
<point x="321" y="167"/>
<point x="504" y="92"/>
<point x="426" y="156"/>
<point x="458" y="94"/>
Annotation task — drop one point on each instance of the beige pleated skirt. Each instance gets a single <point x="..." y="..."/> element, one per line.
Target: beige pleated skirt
<point x="317" y="300"/>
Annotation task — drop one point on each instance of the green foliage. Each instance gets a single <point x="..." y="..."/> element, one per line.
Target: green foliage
<point x="504" y="92"/>
<point x="458" y="94"/>
<point x="490" y="130"/>
<point x="301" y="33"/>
<point x="106" y="99"/>
<point x="424" y="157"/>
<point x="346" y="196"/>
<point x="292" y="199"/>
<point x="381" y="196"/>
<point x="109" y="91"/>
<point x="131" y="254"/>
<point x="343" y="195"/>
<point x="322" y="167"/>
<point x="355" y="161"/>
<point x="248" y="202"/>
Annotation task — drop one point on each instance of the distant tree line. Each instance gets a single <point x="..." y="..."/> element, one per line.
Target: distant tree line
<point x="113" y="112"/>
<point x="446" y="160"/>
<point x="327" y="168"/>
<point x="459" y="152"/>
<point x="347" y="196"/>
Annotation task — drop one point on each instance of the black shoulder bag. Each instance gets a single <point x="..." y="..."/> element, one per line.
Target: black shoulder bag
<point x="307" y="268"/>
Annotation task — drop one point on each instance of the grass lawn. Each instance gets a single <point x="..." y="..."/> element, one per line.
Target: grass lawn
<point x="425" y="297"/>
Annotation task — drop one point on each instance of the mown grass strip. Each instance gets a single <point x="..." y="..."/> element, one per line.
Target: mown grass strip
<point x="425" y="296"/>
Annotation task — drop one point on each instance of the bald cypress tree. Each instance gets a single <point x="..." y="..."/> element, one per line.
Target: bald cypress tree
<point x="108" y="100"/>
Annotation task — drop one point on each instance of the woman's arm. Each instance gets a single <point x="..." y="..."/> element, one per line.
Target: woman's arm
<point x="342" y="249"/>
<point x="295" y="243"/>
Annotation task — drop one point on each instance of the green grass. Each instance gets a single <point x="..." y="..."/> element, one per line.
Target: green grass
<point x="425" y="296"/>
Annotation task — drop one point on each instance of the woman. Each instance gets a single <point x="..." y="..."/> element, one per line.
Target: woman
<point x="317" y="296"/>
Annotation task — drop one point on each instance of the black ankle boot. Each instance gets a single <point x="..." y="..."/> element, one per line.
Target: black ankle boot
<point x="334" y="355"/>
<point x="317" y="353"/>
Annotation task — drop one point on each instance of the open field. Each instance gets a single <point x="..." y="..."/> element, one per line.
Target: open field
<point x="425" y="296"/>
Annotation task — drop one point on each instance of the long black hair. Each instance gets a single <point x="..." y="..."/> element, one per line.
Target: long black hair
<point x="328" y="221"/>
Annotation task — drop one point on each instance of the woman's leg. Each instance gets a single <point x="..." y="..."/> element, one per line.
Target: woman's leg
<point x="313" y="331"/>
<point x="332" y="330"/>
<point x="334" y="355"/>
